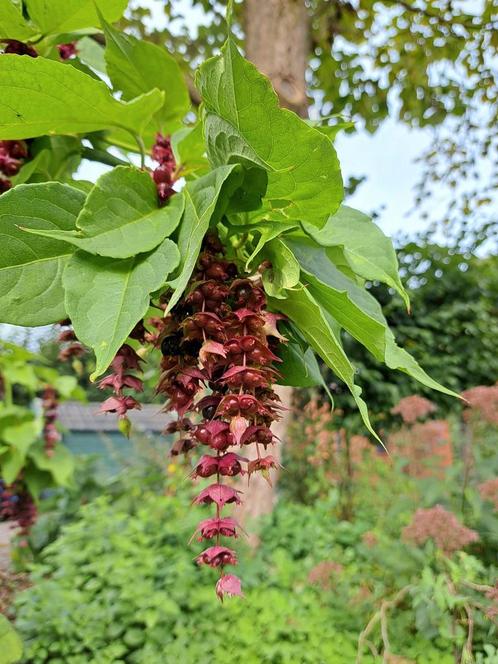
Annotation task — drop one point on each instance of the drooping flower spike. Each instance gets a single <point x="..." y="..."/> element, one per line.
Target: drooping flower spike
<point x="221" y="337"/>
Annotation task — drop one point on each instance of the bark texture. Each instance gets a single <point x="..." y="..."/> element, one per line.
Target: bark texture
<point x="278" y="42"/>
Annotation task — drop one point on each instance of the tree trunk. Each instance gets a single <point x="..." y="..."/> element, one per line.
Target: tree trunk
<point x="277" y="42"/>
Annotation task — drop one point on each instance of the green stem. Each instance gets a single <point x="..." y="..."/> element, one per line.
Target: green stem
<point x="141" y="147"/>
<point x="102" y="156"/>
<point x="7" y="392"/>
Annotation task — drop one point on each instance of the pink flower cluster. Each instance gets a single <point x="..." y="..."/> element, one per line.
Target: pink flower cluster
<point x="165" y="174"/>
<point x="325" y="574"/>
<point x="483" y="403"/>
<point x="220" y="336"/>
<point x="440" y="526"/>
<point x="51" y="436"/>
<point x="413" y="408"/>
<point x="489" y="491"/>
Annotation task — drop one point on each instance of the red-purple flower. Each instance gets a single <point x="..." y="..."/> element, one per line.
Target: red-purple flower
<point x="216" y="434"/>
<point x="221" y="494"/>
<point x="227" y="465"/>
<point x="217" y="556"/>
<point x="119" y="405"/>
<point x="119" y="381"/>
<point x="164" y="175"/>
<point x="67" y="51"/>
<point x="263" y="464"/>
<point x="230" y="585"/>
<point x="215" y="527"/>
<point x="16" y="47"/>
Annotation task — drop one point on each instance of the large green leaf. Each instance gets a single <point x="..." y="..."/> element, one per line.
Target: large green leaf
<point x="31" y="268"/>
<point x="105" y="297"/>
<point x="12" y="23"/>
<point x="57" y="16"/>
<point x="303" y="310"/>
<point x="136" y="66"/>
<point x="10" y="642"/>
<point x="368" y="251"/>
<point x="39" y="96"/>
<point x="205" y="201"/>
<point x="121" y="216"/>
<point x="18" y="430"/>
<point x="356" y="310"/>
<point x="243" y="120"/>
<point x="60" y="465"/>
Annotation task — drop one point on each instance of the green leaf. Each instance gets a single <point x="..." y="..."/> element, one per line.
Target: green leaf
<point x="21" y="374"/>
<point x="36" y="480"/>
<point x="91" y="53"/>
<point x="10" y="642"/>
<point x="121" y="216"/>
<point x="39" y="96"/>
<point x="357" y="311"/>
<point x="18" y="429"/>
<point x="368" y="251"/>
<point x="136" y="66"/>
<point x="66" y="386"/>
<point x="12" y="23"/>
<point x="189" y="150"/>
<point x="54" y="158"/>
<point x="205" y="202"/>
<point x="60" y="465"/>
<point x="267" y="232"/>
<point x="284" y="271"/>
<point x="105" y="297"/>
<point x="243" y="120"/>
<point x="303" y="310"/>
<point x="31" y="268"/>
<point x="59" y="16"/>
<point x="299" y="367"/>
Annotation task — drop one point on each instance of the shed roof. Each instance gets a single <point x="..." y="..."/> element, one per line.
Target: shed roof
<point x="76" y="416"/>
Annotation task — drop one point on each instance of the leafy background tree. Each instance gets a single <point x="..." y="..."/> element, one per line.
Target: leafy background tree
<point x="427" y="64"/>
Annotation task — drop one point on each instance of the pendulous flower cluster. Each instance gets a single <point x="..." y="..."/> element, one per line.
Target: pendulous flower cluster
<point x="120" y="379"/>
<point x="164" y="175"/>
<point x="12" y="157"/>
<point x="15" y="47"/>
<point x="70" y="346"/>
<point x="220" y="337"/>
<point x="50" y="403"/>
<point x="17" y="505"/>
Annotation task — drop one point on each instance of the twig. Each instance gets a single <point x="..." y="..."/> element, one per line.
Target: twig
<point x="102" y="157"/>
<point x="380" y="616"/>
<point x="470" y="634"/>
